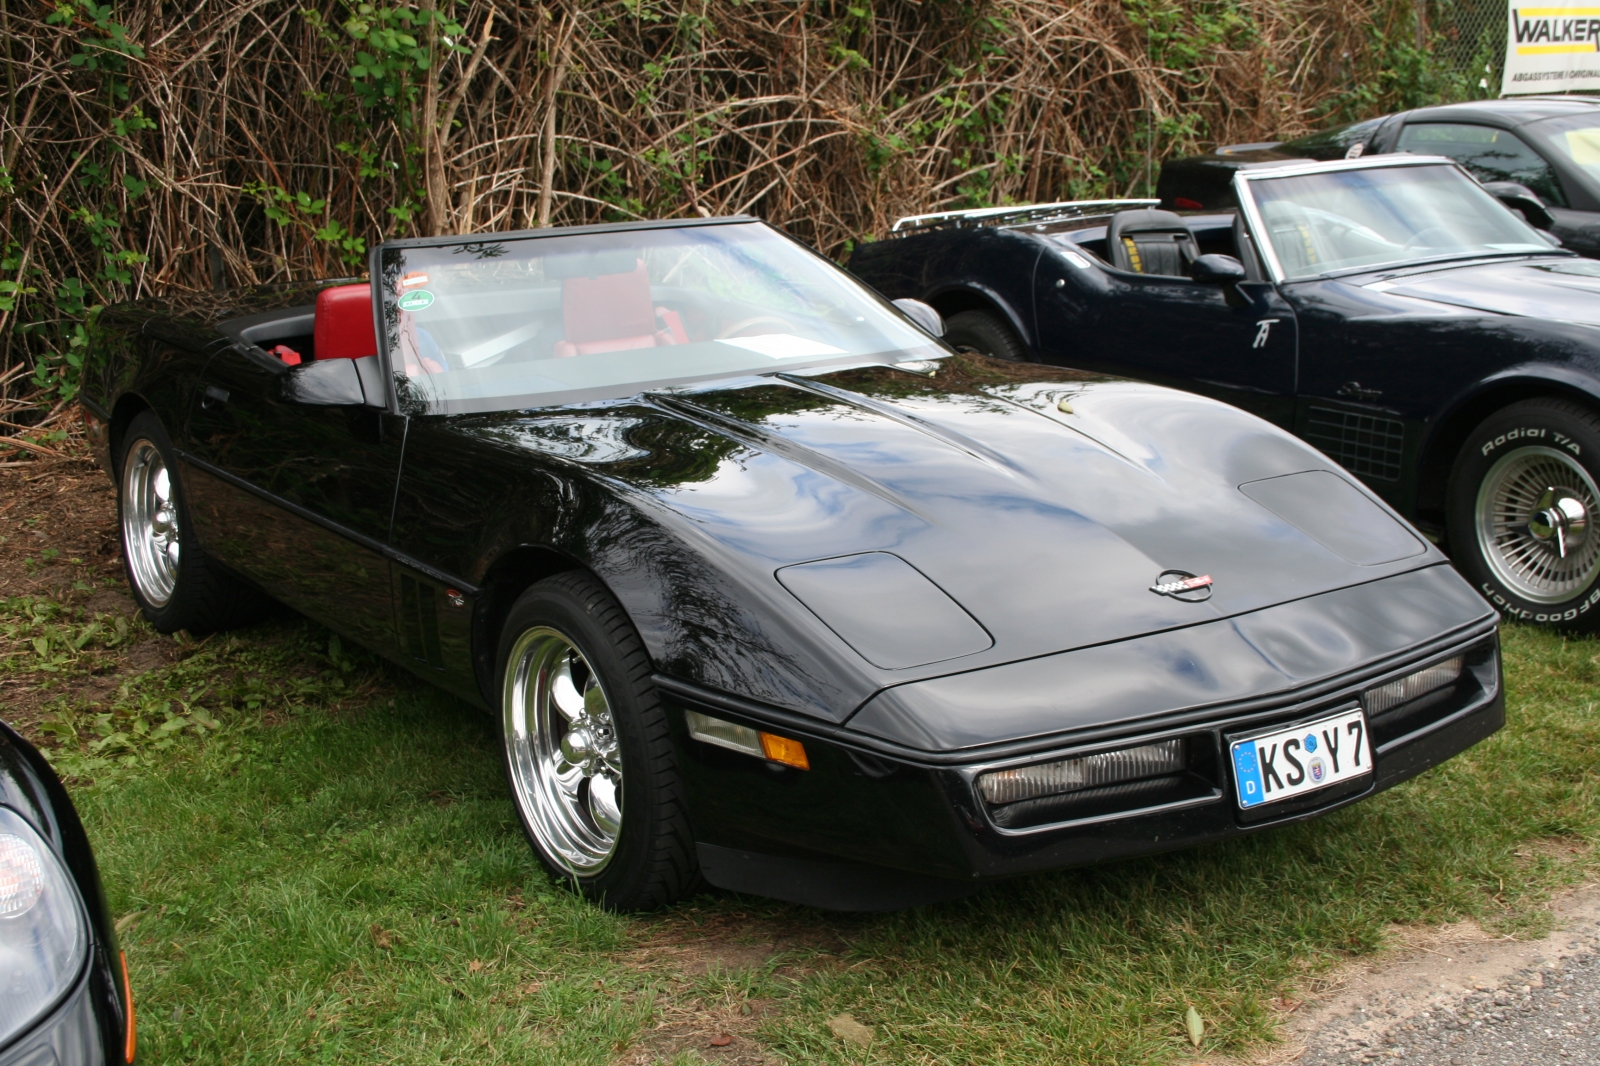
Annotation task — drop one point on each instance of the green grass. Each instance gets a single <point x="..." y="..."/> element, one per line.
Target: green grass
<point x="346" y="882"/>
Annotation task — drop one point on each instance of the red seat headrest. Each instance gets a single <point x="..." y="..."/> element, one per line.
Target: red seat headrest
<point x="608" y="307"/>
<point x="344" y="323"/>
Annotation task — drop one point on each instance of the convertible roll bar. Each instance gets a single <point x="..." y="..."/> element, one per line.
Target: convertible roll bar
<point x="1016" y="215"/>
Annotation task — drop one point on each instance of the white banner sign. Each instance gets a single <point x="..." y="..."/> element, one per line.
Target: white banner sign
<point x="1552" y="49"/>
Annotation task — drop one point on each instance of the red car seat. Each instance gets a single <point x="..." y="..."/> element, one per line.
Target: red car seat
<point x="344" y="323"/>
<point x="614" y="313"/>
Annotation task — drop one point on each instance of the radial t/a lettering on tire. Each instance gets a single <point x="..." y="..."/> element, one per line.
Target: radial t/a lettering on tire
<point x="1524" y="502"/>
<point x="588" y="755"/>
<point x="175" y="584"/>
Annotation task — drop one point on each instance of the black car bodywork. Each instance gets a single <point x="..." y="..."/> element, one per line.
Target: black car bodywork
<point x="1390" y="371"/>
<point x="1504" y="143"/>
<point x="91" y="1020"/>
<point x="924" y="572"/>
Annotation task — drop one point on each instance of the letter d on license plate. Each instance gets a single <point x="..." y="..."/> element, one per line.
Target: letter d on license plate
<point x="1298" y="759"/>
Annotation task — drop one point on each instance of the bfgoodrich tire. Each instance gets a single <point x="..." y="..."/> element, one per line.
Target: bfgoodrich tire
<point x="173" y="581"/>
<point x="588" y="756"/>
<point x="986" y="333"/>
<point x="1524" y="504"/>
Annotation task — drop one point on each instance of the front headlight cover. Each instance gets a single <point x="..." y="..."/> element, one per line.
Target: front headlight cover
<point x="43" y="935"/>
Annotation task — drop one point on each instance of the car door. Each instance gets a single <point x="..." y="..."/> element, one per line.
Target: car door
<point x="1236" y="342"/>
<point x="295" y="495"/>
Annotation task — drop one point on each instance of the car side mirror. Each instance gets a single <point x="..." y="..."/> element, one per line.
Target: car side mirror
<point x="336" y="383"/>
<point x="1217" y="270"/>
<point x="1523" y="200"/>
<point x="923" y="315"/>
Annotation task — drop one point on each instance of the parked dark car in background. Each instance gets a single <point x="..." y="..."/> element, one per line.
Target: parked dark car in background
<point x="766" y="585"/>
<point x="1548" y="146"/>
<point x="1385" y="309"/>
<point x="64" y="993"/>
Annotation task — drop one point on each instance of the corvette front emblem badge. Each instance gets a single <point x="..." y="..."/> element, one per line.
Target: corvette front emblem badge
<point x="1182" y="585"/>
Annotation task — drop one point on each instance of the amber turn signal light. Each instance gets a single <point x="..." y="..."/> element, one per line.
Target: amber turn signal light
<point x="785" y="751"/>
<point x="742" y="738"/>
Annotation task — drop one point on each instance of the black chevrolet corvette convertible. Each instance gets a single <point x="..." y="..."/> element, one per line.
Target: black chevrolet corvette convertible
<point x="768" y="586"/>
<point x="1387" y="310"/>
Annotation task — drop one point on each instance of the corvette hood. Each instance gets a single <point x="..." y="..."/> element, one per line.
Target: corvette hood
<point x="1563" y="290"/>
<point x="962" y="522"/>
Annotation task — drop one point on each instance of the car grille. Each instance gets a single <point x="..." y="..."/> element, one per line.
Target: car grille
<point x="1365" y="445"/>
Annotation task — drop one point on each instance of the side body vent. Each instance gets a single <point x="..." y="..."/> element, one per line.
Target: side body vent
<point x="419" y="621"/>
<point x="1365" y="445"/>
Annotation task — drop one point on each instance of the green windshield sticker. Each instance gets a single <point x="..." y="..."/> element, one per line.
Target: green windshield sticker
<point x="416" y="301"/>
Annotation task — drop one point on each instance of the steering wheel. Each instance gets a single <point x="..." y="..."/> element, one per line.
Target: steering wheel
<point x="738" y="328"/>
<point x="1417" y="240"/>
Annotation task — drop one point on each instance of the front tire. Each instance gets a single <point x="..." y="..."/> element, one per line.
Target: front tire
<point x="588" y="755"/>
<point x="986" y="333"/>
<point x="175" y="584"/>
<point x="1524" y="503"/>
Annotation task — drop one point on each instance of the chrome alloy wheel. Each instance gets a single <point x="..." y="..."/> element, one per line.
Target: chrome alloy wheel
<point x="561" y="744"/>
<point x="150" y="523"/>
<point x="1535" y="515"/>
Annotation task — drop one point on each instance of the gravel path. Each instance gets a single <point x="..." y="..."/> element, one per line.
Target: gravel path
<point x="1544" y="1014"/>
<point x="1457" y="996"/>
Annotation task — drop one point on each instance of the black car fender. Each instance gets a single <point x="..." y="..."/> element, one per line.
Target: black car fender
<point x="1478" y="401"/>
<point x="969" y="295"/>
<point x="938" y="267"/>
<point x="700" y="619"/>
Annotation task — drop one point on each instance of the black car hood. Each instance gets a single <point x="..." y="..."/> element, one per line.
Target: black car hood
<point x="1045" y="503"/>
<point x="1554" y="289"/>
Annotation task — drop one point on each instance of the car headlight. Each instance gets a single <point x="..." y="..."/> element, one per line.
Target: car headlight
<point x="43" y="936"/>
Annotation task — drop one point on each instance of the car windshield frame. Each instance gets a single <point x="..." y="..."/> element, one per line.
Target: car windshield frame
<point x="1245" y="182"/>
<point x="388" y="275"/>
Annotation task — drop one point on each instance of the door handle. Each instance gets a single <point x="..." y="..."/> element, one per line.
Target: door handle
<point x="213" y="398"/>
<point x="1352" y="390"/>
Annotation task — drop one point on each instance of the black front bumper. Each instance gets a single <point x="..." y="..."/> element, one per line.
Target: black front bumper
<point x="869" y="828"/>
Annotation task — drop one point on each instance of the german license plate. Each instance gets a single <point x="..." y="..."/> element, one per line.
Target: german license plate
<point x="1290" y="762"/>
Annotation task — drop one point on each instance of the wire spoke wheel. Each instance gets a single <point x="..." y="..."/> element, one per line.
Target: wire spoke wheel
<point x="563" y="751"/>
<point x="1535" y="510"/>
<point x="150" y="522"/>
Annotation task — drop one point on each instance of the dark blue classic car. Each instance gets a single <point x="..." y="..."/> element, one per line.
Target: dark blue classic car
<point x="1539" y="154"/>
<point x="1387" y="310"/>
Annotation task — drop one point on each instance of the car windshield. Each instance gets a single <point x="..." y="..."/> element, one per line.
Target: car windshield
<point x="1577" y="139"/>
<point x="503" y="323"/>
<point x="1351" y="219"/>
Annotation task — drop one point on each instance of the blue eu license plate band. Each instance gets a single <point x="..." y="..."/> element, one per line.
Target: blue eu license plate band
<point x="1293" y="760"/>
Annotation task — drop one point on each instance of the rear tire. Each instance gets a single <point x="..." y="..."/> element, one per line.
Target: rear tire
<point x="1523" y="507"/>
<point x="588" y="755"/>
<point x="174" y="582"/>
<point x="986" y="333"/>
